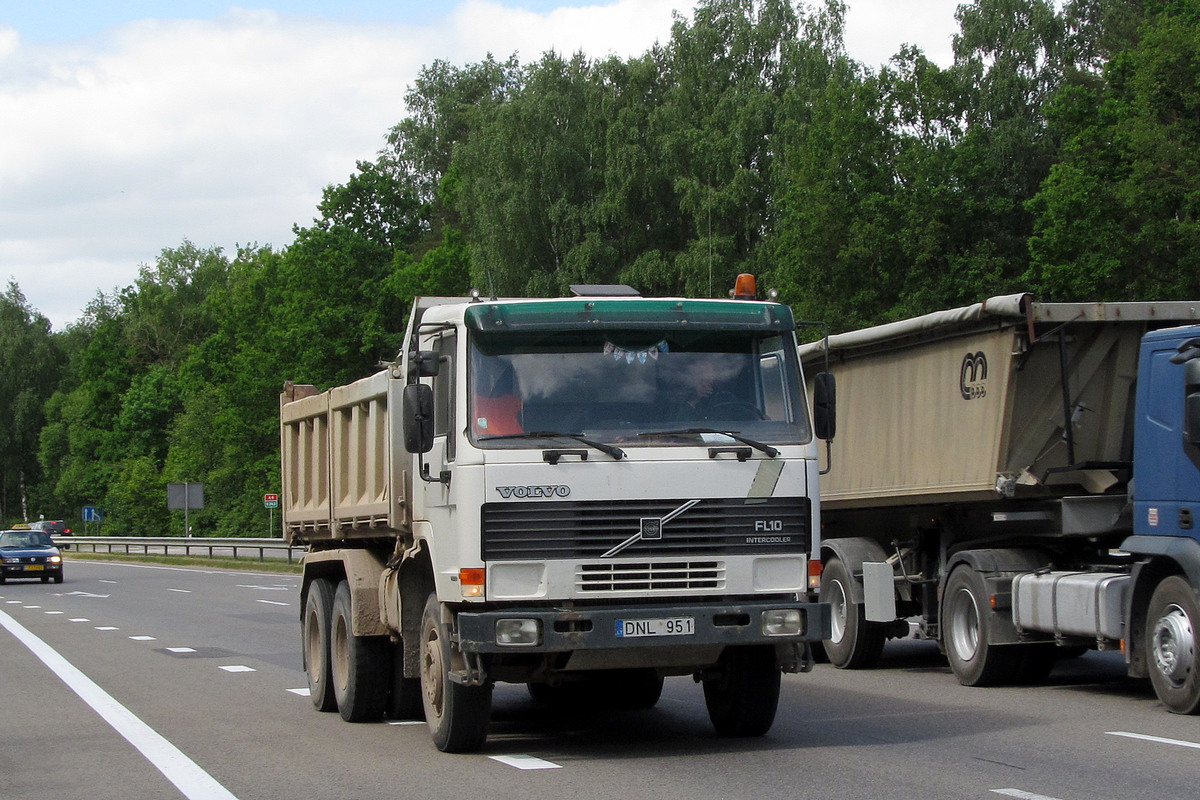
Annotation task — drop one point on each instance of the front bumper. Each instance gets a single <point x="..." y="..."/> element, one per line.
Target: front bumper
<point x="31" y="571"/>
<point x="599" y="628"/>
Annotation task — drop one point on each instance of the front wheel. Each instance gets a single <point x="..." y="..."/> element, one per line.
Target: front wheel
<point x="1171" y="645"/>
<point x="853" y="643"/>
<point x="966" y="625"/>
<point x="743" y="692"/>
<point x="457" y="714"/>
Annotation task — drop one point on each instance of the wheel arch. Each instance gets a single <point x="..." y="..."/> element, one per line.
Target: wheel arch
<point x="853" y="552"/>
<point x="997" y="567"/>
<point x="1163" y="556"/>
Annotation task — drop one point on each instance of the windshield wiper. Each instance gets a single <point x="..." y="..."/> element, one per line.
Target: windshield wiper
<point x="616" y="452"/>
<point x="737" y="437"/>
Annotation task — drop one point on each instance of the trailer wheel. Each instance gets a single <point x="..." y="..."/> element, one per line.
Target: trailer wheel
<point x="318" y="610"/>
<point x="966" y="620"/>
<point x="742" y="693"/>
<point x="854" y="642"/>
<point x="1171" y="644"/>
<point x="457" y="715"/>
<point x="358" y="664"/>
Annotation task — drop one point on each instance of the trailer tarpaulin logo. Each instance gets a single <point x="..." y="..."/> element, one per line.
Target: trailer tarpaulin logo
<point x="972" y="380"/>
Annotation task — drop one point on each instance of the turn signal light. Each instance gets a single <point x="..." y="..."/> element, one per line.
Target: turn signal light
<point x="472" y="580"/>
<point x="814" y="574"/>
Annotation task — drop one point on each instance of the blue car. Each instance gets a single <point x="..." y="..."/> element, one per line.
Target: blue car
<point x="29" y="554"/>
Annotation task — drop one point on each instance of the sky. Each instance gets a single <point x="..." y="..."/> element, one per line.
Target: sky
<point x="129" y="127"/>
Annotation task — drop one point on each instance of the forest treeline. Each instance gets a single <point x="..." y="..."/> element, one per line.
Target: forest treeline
<point x="1058" y="154"/>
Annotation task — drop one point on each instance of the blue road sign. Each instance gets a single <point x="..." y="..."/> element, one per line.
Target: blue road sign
<point x="92" y="514"/>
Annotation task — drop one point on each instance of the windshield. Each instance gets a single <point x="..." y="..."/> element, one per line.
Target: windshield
<point x="619" y="386"/>
<point x="25" y="539"/>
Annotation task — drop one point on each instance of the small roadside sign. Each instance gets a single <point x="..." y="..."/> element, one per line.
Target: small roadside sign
<point x="92" y="514"/>
<point x="270" y="501"/>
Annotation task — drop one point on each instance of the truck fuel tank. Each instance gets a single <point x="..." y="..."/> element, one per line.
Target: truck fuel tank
<point x="1090" y="604"/>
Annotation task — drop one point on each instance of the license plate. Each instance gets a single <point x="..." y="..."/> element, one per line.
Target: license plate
<point x="672" y="626"/>
<point x="34" y="567"/>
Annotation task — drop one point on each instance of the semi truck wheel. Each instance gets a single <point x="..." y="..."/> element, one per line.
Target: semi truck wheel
<point x="742" y="693"/>
<point x="1171" y="621"/>
<point x="358" y="664"/>
<point x="965" y="624"/>
<point x="457" y="715"/>
<point x="318" y="609"/>
<point x="854" y="643"/>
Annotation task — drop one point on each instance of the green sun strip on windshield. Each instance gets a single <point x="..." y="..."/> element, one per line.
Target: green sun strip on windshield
<point x="629" y="314"/>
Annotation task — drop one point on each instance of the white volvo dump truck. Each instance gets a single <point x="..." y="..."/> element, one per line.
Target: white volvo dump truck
<point x="1021" y="479"/>
<point x="582" y="494"/>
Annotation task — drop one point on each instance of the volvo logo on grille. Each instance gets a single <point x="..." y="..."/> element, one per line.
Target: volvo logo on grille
<point x="523" y="492"/>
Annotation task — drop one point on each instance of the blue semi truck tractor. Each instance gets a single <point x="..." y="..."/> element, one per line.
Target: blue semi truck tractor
<point x="1019" y="481"/>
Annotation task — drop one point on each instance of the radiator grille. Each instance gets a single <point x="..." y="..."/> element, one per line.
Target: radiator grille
<point x="588" y="530"/>
<point x="645" y="577"/>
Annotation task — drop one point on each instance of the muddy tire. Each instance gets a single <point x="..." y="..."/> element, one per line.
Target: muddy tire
<point x="457" y="715"/>
<point x="359" y="664"/>
<point x="318" y="611"/>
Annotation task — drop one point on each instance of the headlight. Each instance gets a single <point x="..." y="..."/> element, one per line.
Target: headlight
<point x="782" y="622"/>
<point x="11" y="560"/>
<point x="518" y="632"/>
<point x="55" y="559"/>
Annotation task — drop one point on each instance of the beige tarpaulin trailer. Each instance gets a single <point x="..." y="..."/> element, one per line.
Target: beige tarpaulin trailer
<point x="969" y="404"/>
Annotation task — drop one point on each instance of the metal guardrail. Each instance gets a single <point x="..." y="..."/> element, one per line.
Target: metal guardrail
<point x="167" y="544"/>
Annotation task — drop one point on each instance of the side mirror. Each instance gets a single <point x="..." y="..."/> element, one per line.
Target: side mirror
<point x="1191" y="402"/>
<point x="824" y="405"/>
<point x="418" y="418"/>
<point x="423" y="364"/>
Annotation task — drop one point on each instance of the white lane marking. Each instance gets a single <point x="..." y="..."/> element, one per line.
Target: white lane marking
<point x="187" y="775"/>
<point x="405" y="721"/>
<point x="238" y="668"/>
<point x="525" y="762"/>
<point x="1022" y="794"/>
<point x="13" y="602"/>
<point x="55" y="612"/>
<point x="302" y="692"/>
<point x="181" y="649"/>
<point x="85" y="594"/>
<point x="1158" y="739"/>
<point x="80" y="619"/>
<point x="106" y="628"/>
<point x="265" y="588"/>
<point x="272" y="602"/>
<point x="30" y="606"/>
<point x="181" y="591"/>
<point x="142" y="638"/>
<point x="104" y="581"/>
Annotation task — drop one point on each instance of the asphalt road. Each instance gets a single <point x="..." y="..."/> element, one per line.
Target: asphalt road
<point x="138" y="681"/>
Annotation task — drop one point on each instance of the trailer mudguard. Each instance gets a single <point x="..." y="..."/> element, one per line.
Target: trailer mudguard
<point x="853" y="552"/>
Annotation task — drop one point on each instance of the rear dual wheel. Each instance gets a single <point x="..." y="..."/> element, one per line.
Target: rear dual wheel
<point x="346" y="673"/>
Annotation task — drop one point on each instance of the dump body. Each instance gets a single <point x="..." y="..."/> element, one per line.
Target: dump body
<point x="983" y="483"/>
<point x="555" y="492"/>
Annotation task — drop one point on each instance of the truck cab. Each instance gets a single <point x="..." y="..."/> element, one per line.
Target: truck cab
<point x="588" y="494"/>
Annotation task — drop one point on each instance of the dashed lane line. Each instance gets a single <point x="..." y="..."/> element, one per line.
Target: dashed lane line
<point x="525" y="762"/>
<point x="185" y="774"/>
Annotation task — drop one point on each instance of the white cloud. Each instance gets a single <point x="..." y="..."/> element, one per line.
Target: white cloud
<point x="225" y="131"/>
